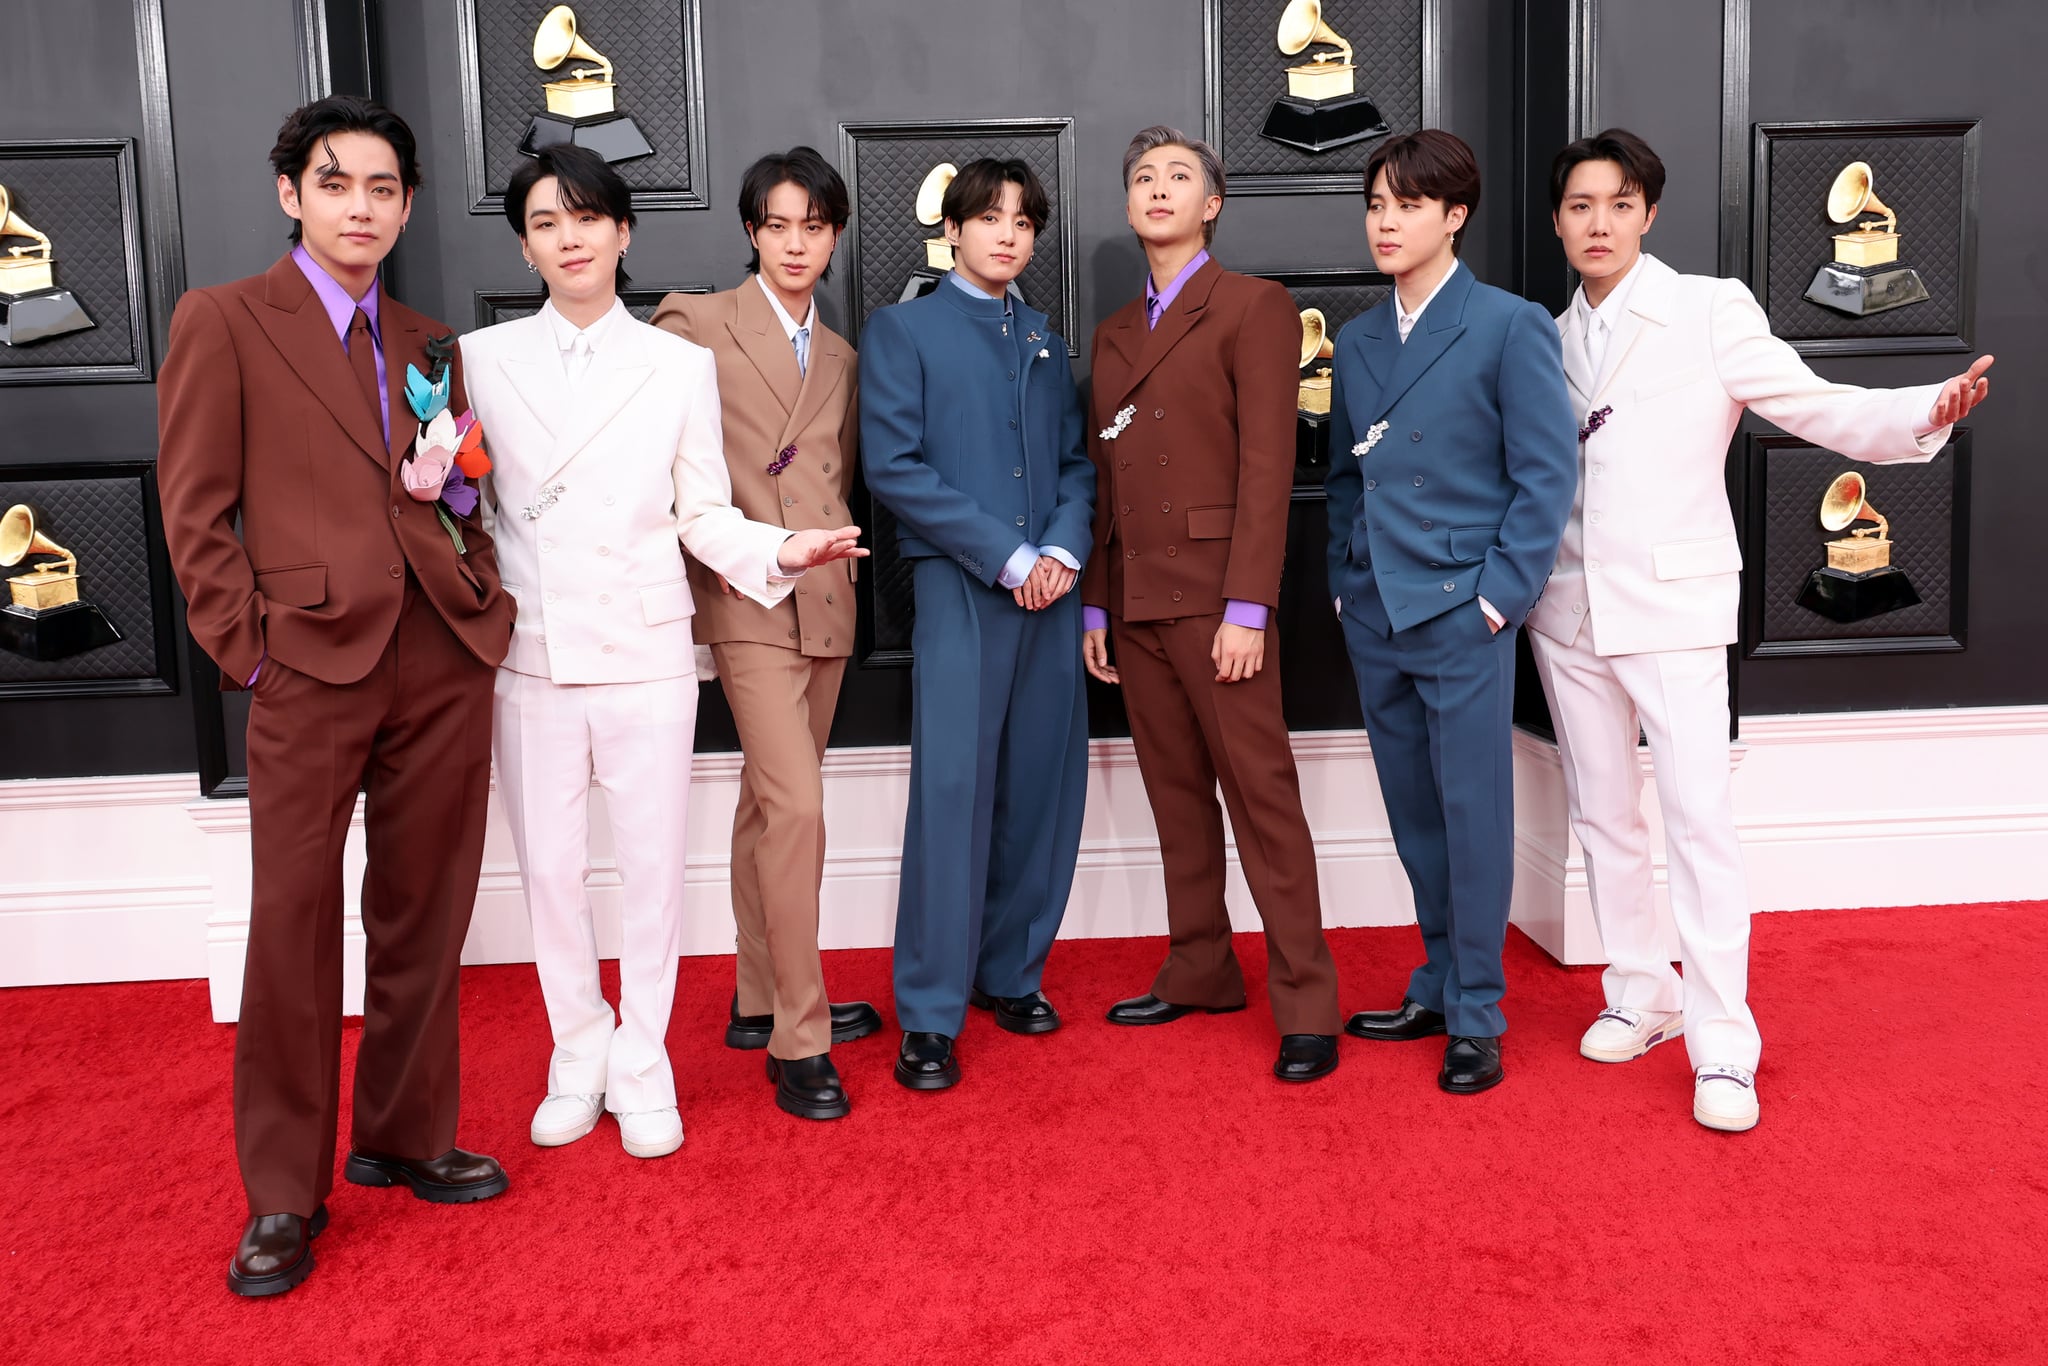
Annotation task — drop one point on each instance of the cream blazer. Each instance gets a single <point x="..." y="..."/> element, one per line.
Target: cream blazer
<point x="1650" y="549"/>
<point x="598" y="489"/>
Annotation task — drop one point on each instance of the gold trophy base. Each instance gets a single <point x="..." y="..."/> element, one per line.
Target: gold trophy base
<point x="938" y="253"/>
<point x="581" y="99"/>
<point x="26" y="274"/>
<point x="1314" y="396"/>
<point x="1873" y="247"/>
<point x="1859" y="554"/>
<point x="44" y="589"/>
<point x="1322" y="80"/>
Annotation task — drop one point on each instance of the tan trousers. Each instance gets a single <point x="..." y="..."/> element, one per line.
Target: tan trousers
<point x="782" y="703"/>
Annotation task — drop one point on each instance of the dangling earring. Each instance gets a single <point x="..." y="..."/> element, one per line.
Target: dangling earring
<point x="532" y="269"/>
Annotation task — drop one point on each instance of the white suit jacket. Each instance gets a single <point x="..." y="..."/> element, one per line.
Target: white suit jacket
<point x="1650" y="550"/>
<point x="626" y="470"/>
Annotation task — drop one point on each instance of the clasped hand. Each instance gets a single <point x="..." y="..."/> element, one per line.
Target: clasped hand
<point x="1047" y="583"/>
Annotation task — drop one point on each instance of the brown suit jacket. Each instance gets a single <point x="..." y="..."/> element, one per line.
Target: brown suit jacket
<point x="1191" y="500"/>
<point x="768" y="406"/>
<point x="260" y="417"/>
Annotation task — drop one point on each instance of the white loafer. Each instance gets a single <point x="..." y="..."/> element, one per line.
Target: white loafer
<point x="564" y="1119"/>
<point x="651" y="1133"/>
<point x="1724" y="1098"/>
<point x="1623" y="1035"/>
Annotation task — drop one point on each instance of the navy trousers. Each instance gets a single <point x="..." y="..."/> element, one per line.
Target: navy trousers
<point x="998" y="776"/>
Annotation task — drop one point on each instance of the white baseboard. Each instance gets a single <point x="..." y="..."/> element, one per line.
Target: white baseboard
<point x="133" y="878"/>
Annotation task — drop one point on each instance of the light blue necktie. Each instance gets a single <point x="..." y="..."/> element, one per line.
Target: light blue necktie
<point x="802" y="342"/>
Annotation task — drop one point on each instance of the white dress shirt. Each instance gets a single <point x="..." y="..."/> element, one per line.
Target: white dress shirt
<point x="1597" y="324"/>
<point x="1406" y="321"/>
<point x="799" y="333"/>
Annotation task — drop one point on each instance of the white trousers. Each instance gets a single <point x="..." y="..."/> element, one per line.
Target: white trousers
<point x="1680" y="700"/>
<point x="549" y="739"/>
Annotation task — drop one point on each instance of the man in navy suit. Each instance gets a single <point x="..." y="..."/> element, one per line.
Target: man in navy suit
<point x="971" y="434"/>
<point x="1453" y="466"/>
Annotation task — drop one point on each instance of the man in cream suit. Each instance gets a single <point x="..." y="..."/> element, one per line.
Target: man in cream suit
<point x="1634" y="625"/>
<point x="787" y="384"/>
<point x="608" y="452"/>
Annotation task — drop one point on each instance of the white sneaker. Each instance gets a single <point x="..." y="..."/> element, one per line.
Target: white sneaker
<point x="1621" y="1034"/>
<point x="651" y="1133"/>
<point x="564" y="1119"/>
<point x="1725" y="1098"/>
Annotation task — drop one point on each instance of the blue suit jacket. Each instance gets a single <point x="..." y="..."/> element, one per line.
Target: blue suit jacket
<point x="971" y="436"/>
<point x="1466" y="491"/>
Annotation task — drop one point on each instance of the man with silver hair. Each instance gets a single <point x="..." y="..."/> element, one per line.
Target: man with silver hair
<point x="1193" y="422"/>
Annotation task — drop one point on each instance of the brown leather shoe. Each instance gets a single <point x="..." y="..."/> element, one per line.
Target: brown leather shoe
<point x="453" y="1178"/>
<point x="275" y="1253"/>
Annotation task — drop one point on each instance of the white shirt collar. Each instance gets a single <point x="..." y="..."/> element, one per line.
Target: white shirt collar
<point x="790" y="326"/>
<point x="565" y="332"/>
<point x="1407" y="321"/>
<point x="1613" y="306"/>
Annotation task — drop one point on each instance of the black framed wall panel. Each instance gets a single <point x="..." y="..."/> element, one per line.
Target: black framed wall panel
<point x="81" y="194"/>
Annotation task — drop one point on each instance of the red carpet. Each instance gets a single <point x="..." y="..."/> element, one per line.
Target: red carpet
<point x="1110" y="1195"/>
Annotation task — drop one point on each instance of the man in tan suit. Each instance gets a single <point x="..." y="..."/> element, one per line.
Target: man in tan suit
<point x="370" y="633"/>
<point x="787" y="386"/>
<point x="1193" y="415"/>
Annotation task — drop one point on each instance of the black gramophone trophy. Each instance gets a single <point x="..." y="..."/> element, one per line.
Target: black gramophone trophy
<point x="44" y="618"/>
<point x="1322" y="109"/>
<point x="1866" y="275"/>
<point x="582" y="106"/>
<point x="1312" y="400"/>
<point x="32" y="308"/>
<point x="1859" y="579"/>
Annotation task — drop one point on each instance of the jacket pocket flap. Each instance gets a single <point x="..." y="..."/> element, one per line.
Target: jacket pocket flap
<point x="1693" y="559"/>
<point x="1472" y="542"/>
<point x="1209" y="524"/>
<point x="301" y="585"/>
<point x="667" y="601"/>
<point x="1665" y="383"/>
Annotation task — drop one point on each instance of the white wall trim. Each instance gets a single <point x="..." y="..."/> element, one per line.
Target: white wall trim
<point x="133" y="877"/>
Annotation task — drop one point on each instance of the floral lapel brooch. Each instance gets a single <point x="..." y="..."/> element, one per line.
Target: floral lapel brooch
<point x="1122" y="420"/>
<point x="1372" y="438"/>
<point x="1595" y="420"/>
<point x="447" y="451"/>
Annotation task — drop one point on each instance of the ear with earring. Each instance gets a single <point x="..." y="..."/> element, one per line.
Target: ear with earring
<point x="532" y="269"/>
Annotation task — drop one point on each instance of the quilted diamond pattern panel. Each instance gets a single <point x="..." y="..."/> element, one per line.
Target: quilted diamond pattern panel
<point x="76" y="201"/>
<point x="646" y="42"/>
<point x="884" y="173"/>
<point x="1918" y="500"/>
<point x="1340" y="301"/>
<point x="1251" y="72"/>
<point x="103" y="522"/>
<point x="1921" y="178"/>
<point x="890" y="599"/>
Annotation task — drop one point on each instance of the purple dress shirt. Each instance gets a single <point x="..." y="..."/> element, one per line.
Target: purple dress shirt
<point x="1157" y="301"/>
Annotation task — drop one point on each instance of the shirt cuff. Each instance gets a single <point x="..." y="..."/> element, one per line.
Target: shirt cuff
<point x="776" y="573"/>
<point x="1930" y="438"/>
<point x="1017" y="568"/>
<point x="1095" y="618"/>
<point x="1251" y="615"/>
<point x="1062" y="556"/>
<point x="1499" y="622"/>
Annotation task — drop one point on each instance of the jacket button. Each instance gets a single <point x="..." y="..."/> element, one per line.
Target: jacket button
<point x="546" y="546"/>
<point x="1020" y="521"/>
<point x="1017" y="472"/>
<point x="1372" y="483"/>
<point x="1592" y="566"/>
<point x="1578" y="608"/>
<point x="1176" y="595"/>
<point x="1599" y="469"/>
<point x="1130" y="554"/>
<point x="609" y="500"/>
<point x="1123" y="464"/>
<point x="1126" y="511"/>
<point x="1596" y="519"/>
<point x="828" y="640"/>
<point x="1159" y="413"/>
<point x="1418" y="481"/>
<point x="827" y="467"/>
<point x="609" y="647"/>
<point x="828" y="599"/>
<point x="1013" y="424"/>
<point x="1449" y="587"/>
<point x="1434" y="565"/>
<point x="397" y="571"/>
<point x="602" y="598"/>
<point x="552" y="596"/>
<point x="1013" y="374"/>
<point x="1172" y="551"/>
<point x="1415" y="436"/>
<point x="792" y="635"/>
<point x="828" y="509"/>
<point x="1162" y="460"/>
<point x="394" y="509"/>
<point x="789" y="502"/>
<point x="1166" y="507"/>
<point x="1425" y="526"/>
<point x="604" y="550"/>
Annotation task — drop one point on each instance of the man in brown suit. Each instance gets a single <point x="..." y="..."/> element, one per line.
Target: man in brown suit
<point x="1193" y="409"/>
<point x="787" y="386"/>
<point x="370" y="639"/>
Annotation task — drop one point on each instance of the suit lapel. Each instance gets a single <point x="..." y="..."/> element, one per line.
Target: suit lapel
<point x="1441" y="324"/>
<point x="1572" y="339"/>
<point x="1648" y="303"/>
<point x="405" y="343"/>
<point x="1178" y="321"/>
<point x="820" y="378"/>
<point x="760" y="336"/>
<point x="616" y="373"/>
<point x="292" y="317"/>
<point x="534" y="370"/>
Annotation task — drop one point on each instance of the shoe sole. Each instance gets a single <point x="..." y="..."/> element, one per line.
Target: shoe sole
<point x="277" y="1282"/>
<point x="1487" y="1085"/>
<point x="981" y="1001"/>
<point x="744" y="1038"/>
<point x="918" y="1081"/>
<point x="807" y="1109"/>
<point x="1306" y="1076"/>
<point x="561" y="1137"/>
<point x="1669" y="1032"/>
<point x="1441" y="1031"/>
<point x="1169" y="1019"/>
<point x="362" y="1171"/>
<point x="659" y="1148"/>
<point x="1723" y="1124"/>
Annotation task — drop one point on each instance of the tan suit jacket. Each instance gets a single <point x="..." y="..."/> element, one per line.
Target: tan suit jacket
<point x="1193" y="492"/>
<point x="768" y="407"/>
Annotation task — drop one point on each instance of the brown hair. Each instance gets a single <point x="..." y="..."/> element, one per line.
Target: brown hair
<point x="979" y="188"/>
<point x="1430" y="164"/>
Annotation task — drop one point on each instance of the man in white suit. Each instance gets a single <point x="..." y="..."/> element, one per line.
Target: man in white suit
<point x="609" y="464"/>
<point x="1634" y="626"/>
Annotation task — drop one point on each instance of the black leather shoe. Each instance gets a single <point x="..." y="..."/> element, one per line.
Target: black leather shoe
<point x="1470" y="1066"/>
<point x="809" y="1088"/>
<point x="1411" y="1021"/>
<point x="926" y="1062"/>
<point x="453" y="1178"/>
<point x="1150" y="1010"/>
<point x="1031" y="1014"/>
<point x="275" y="1253"/>
<point x="1304" y="1057"/>
<point x="850" y="1020"/>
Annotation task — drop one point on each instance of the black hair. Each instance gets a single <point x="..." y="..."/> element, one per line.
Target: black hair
<point x="1429" y="164"/>
<point x="306" y="130"/>
<point x="585" y="182"/>
<point x="979" y="187"/>
<point x="1641" y="171"/>
<point x="804" y="168"/>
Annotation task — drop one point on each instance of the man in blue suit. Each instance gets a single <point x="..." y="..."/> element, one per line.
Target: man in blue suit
<point x="971" y="434"/>
<point x="1452" y="471"/>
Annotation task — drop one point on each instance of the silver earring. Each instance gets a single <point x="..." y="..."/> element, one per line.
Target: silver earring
<point x="622" y="253"/>
<point x="532" y="269"/>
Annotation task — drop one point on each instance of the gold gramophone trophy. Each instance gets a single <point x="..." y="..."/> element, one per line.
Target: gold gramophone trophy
<point x="32" y="308"/>
<point x="1866" y="275"/>
<point x="44" y="618"/>
<point x="1322" y="108"/>
<point x="582" y="106"/>
<point x="938" y="252"/>
<point x="1315" y="346"/>
<point x="1859" y="579"/>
